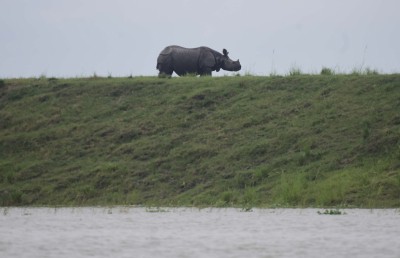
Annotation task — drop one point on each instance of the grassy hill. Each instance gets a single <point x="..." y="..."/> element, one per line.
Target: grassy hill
<point x="304" y="140"/>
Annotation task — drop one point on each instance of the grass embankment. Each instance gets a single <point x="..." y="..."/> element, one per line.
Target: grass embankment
<point x="306" y="140"/>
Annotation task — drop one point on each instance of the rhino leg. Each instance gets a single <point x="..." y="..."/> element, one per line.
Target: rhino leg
<point x="164" y="64"/>
<point x="206" y="72"/>
<point x="163" y="74"/>
<point x="165" y="70"/>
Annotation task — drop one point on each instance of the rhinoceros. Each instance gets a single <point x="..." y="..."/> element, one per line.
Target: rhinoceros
<point x="201" y="60"/>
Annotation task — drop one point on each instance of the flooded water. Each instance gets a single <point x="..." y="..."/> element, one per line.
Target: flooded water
<point x="187" y="232"/>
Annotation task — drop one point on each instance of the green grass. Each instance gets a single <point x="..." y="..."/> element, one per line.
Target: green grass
<point x="295" y="71"/>
<point x="295" y="141"/>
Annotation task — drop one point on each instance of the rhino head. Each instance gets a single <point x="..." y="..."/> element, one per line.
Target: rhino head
<point x="228" y="64"/>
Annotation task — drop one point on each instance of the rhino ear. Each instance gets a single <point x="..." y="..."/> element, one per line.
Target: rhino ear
<point x="225" y="52"/>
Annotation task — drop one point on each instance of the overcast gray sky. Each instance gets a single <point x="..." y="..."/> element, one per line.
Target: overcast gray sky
<point x="69" y="38"/>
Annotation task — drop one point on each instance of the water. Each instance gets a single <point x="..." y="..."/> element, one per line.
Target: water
<point x="185" y="232"/>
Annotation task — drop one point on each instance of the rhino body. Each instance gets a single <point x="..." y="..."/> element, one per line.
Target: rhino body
<point x="201" y="60"/>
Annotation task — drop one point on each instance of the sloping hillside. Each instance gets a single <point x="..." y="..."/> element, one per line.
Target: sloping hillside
<point x="307" y="140"/>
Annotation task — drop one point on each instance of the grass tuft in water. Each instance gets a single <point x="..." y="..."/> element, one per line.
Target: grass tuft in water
<point x="331" y="212"/>
<point x="156" y="210"/>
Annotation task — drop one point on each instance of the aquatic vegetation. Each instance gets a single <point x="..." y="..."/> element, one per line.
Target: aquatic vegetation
<point x="331" y="212"/>
<point x="156" y="209"/>
<point x="246" y="209"/>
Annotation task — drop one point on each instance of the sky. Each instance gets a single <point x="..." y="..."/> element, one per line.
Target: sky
<point x="77" y="38"/>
